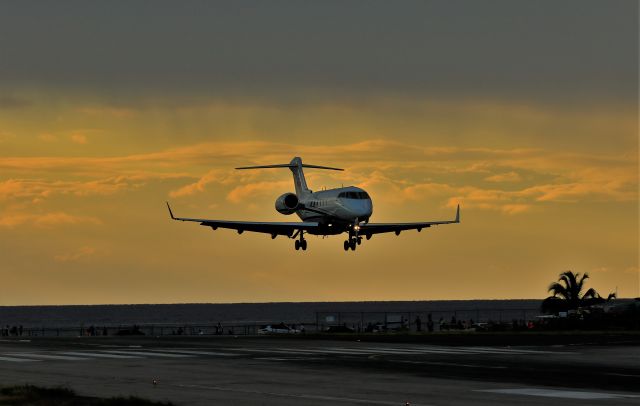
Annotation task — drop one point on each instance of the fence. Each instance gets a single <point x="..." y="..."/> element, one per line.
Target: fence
<point x="357" y="321"/>
<point x="414" y="320"/>
<point x="146" y="330"/>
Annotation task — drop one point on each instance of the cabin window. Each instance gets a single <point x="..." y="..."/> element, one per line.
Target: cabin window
<point x="353" y="195"/>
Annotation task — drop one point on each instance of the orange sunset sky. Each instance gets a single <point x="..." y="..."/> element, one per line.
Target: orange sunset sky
<point x="525" y="113"/>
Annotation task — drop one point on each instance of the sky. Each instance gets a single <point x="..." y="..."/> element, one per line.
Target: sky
<point x="525" y="113"/>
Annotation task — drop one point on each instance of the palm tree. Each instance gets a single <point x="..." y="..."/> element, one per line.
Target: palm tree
<point x="567" y="294"/>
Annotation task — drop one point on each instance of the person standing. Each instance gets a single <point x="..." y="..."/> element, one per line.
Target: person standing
<point x="429" y="323"/>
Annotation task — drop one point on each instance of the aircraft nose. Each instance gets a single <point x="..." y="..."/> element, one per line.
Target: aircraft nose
<point x="365" y="209"/>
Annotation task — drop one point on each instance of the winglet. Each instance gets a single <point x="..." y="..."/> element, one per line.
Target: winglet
<point x="170" y="212"/>
<point x="458" y="214"/>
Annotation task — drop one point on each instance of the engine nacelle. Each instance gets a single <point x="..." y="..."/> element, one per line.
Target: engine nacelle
<point x="288" y="203"/>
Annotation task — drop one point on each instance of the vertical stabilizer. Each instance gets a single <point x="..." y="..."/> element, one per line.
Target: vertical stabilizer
<point x="296" y="166"/>
<point x="298" y="177"/>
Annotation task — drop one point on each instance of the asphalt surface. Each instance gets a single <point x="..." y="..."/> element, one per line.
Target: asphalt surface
<point x="292" y="371"/>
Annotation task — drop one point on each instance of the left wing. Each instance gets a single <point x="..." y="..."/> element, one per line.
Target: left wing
<point x="273" y="228"/>
<point x="378" y="228"/>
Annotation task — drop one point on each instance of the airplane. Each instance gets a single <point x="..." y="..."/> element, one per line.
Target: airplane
<point x="326" y="212"/>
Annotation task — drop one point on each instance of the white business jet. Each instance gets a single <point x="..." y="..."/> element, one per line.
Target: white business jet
<point x="327" y="212"/>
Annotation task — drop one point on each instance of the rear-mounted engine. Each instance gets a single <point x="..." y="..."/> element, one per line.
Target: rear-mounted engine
<point x="288" y="203"/>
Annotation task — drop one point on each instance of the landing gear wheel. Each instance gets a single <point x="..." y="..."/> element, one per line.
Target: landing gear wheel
<point x="346" y="245"/>
<point x="303" y="245"/>
<point x="359" y="240"/>
<point x="352" y="244"/>
<point x="297" y="245"/>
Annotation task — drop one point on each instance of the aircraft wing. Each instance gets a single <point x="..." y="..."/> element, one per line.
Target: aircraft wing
<point x="379" y="228"/>
<point x="273" y="228"/>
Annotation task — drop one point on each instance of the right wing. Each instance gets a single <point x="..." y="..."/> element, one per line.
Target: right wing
<point x="266" y="227"/>
<point x="379" y="228"/>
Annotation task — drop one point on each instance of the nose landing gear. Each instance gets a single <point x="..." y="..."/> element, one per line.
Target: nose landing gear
<point x="352" y="242"/>
<point x="354" y="238"/>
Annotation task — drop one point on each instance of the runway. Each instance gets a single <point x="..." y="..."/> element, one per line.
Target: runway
<point x="294" y="371"/>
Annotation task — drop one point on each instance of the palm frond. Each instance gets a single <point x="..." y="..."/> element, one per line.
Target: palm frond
<point x="558" y="290"/>
<point x="580" y="282"/>
<point x="591" y="294"/>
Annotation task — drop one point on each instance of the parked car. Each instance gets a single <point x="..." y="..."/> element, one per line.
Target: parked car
<point x="277" y="329"/>
<point x="339" y="329"/>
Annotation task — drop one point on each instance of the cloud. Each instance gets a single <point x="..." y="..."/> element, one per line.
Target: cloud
<point x="396" y="170"/>
<point x="504" y="177"/>
<point x="14" y="189"/>
<point x="108" y="111"/>
<point x="13" y="103"/>
<point x="632" y="270"/>
<point x="515" y="208"/>
<point x="245" y="193"/>
<point x="39" y="189"/>
<point x="420" y="191"/>
<point x="5" y="136"/>
<point x="489" y="199"/>
<point x="82" y="253"/>
<point x="46" y="220"/>
<point x="79" y="138"/>
<point x="47" y="137"/>
<point x="214" y="175"/>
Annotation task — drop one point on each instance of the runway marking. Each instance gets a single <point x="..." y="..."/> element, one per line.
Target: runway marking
<point x="148" y="354"/>
<point x="381" y="350"/>
<point x="555" y="393"/>
<point x="341" y="351"/>
<point x="329" y="351"/>
<point x="626" y="375"/>
<point x="276" y="359"/>
<point x="454" y="364"/>
<point x="302" y="396"/>
<point x="192" y="352"/>
<point x="525" y="351"/>
<point x="47" y="356"/>
<point x="410" y="351"/>
<point x="467" y="350"/>
<point x="98" y="355"/>
<point x="13" y="359"/>
<point x="272" y="350"/>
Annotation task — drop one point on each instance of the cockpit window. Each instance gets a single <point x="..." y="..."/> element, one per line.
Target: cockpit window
<point x="353" y="195"/>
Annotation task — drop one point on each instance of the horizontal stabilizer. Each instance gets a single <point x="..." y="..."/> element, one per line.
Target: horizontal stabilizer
<point x="290" y="166"/>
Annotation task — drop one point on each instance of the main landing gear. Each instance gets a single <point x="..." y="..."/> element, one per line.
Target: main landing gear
<point x="352" y="243"/>
<point x="301" y="243"/>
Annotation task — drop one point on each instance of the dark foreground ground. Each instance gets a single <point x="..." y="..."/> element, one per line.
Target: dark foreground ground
<point x="314" y="371"/>
<point x="38" y="396"/>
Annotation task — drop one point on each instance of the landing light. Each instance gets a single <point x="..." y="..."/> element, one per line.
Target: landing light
<point x="356" y="227"/>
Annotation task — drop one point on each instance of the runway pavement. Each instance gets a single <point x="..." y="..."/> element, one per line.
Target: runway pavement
<point x="295" y="371"/>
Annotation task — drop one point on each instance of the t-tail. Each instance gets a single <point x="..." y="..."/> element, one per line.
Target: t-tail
<point x="296" y="166"/>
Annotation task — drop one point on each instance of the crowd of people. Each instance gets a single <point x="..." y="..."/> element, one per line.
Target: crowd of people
<point x="12" y="331"/>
